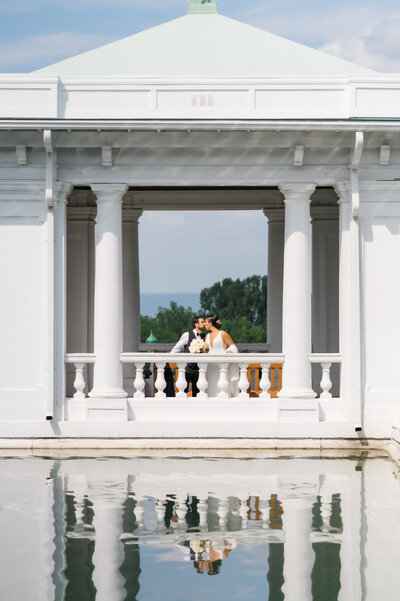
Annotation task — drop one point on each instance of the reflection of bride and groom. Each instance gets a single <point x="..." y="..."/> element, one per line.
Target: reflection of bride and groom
<point x="217" y="341"/>
<point x="207" y="555"/>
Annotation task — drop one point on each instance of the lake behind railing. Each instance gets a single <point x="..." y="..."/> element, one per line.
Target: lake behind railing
<point x="246" y="528"/>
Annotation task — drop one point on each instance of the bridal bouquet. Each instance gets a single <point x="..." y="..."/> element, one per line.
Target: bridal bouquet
<point x="197" y="346"/>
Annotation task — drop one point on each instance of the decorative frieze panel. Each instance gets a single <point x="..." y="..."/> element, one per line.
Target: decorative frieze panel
<point x="29" y="96"/>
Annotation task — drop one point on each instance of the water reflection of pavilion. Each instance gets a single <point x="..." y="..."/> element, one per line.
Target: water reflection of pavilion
<point x="98" y="514"/>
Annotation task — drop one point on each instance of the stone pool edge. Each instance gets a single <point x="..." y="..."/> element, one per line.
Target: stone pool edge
<point x="389" y="446"/>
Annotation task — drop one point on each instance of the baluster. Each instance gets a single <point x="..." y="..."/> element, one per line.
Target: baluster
<point x="79" y="383"/>
<point x="243" y="511"/>
<point x="202" y="382"/>
<point x="326" y="382"/>
<point x="223" y="511"/>
<point x="139" y="512"/>
<point x="202" y="510"/>
<point x="264" y="508"/>
<point x="223" y="383"/>
<point x="265" y="382"/>
<point x="181" y="382"/>
<point x="160" y="511"/>
<point x="160" y="382"/>
<point x="139" y="382"/>
<point x="181" y="510"/>
<point x="243" y="382"/>
<point x="326" y="510"/>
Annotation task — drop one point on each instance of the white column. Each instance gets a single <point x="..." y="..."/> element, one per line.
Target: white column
<point x="131" y="286"/>
<point x="349" y="309"/>
<point x="108" y="316"/>
<point x="60" y="287"/>
<point x="298" y="552"/>
<point x="296" y="328"/>
<point x="276" y="243"/>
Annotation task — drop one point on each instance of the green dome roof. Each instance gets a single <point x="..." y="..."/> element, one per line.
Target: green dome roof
<point x="151" y="338"/>
<point x="204" y="43"/>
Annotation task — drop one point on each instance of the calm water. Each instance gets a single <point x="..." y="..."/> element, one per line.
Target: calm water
<point x="181" y="529"/>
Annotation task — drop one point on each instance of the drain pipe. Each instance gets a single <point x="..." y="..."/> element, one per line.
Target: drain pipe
<point x="49" y="197"/>
<point x="355" y="283"/>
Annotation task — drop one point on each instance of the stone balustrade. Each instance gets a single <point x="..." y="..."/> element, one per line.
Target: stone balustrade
<point x="245" y="365"/>
<point x="225" y="388"/>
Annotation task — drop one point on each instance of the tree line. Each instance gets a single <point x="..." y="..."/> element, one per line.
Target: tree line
<point x="241" y="305"/>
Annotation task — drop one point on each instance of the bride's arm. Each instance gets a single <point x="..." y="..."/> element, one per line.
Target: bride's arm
<point x="231" y="346"/>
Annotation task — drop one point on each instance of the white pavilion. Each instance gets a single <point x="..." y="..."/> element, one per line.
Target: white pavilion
<point x="202" y="112"/>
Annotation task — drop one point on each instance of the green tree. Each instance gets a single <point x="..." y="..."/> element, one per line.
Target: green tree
<point x="242" y="330"/>
<point x="169" y="323"/>
<point x="231" y="299"/>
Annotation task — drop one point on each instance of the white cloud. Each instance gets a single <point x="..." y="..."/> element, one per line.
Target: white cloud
<point x="368" y="34"/>
<point x="47" y="49"/>
<point x="316" y="27"/>
<point x="377" y="46"/>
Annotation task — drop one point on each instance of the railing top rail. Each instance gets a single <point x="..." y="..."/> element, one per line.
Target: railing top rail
<point x="79" y="358"/>
<point x="325" y="358"/>
<point x="165" y="347"/>
<point x="203" y="358"/>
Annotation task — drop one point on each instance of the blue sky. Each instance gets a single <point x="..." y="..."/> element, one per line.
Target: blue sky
<point x="35" y="33"/>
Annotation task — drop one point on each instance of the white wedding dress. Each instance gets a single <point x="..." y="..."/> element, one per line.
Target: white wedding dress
<point x="218" y="347"/>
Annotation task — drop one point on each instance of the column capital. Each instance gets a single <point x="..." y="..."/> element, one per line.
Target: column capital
<point x="275" y="214"/>
<point x="109" y="192"/>
<point x="131" y="215"/>
<point x="343" y="190"/>
<point x="62" y="191"/>
<point x="297" y="191"/>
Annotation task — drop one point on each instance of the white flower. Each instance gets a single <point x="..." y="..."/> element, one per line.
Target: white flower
<point x="197" y="346"/>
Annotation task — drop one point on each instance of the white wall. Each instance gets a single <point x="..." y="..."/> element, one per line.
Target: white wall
<point x="23" y="256"/>
<point x="380" y="247"/>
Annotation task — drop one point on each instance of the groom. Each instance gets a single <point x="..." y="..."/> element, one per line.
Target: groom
<point x="182" y="346"/>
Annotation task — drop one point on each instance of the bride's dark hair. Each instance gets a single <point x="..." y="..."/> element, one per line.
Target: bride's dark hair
<point x="215" y="321"/>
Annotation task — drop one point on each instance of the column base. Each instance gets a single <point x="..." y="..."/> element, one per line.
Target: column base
<point x="100" y="409"/>
<point x="299" y="393"/>
<point x="108" y="393"/>
<point x="298" y="410"/>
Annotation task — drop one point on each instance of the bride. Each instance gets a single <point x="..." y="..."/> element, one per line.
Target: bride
<point x="217" y="342"/>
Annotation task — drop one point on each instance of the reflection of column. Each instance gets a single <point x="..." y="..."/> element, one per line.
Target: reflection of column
<point x="108" y="317"/>
<point x="130" y="568"/>
<point x="299" y="556"/>
<point x="108" y="554"/>
<point x="276" y="243"/>
<point x="55" y="545"/>
<point x="80" y="278"/>
<point x="296" y="334"/>
<point x="131" y="288"/>
<point x="350" y="549"/>
<point x="325" y="284"/>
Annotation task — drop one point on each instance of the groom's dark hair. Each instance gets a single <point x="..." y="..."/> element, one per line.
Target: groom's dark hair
<point x="196" y="319"/>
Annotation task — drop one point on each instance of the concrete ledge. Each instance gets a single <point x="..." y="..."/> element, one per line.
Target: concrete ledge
<point x="222" y="444"/>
